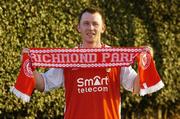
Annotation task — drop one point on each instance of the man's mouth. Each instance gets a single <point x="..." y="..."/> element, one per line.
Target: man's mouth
<point x="90" y="34"/>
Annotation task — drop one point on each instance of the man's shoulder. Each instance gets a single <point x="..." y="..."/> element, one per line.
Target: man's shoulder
<point x="107" y="46"/>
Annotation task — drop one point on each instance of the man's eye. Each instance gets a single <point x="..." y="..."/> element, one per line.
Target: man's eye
<point x="95" y="24"/>
<point x="86" y="23"/>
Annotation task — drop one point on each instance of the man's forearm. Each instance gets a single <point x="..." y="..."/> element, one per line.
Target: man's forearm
<point x="39" y="81"/>
<point x="136" y="85"/>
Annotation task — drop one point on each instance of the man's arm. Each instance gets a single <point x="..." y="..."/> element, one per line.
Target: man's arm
<point x="39" y="81"/>
<point x="136" y="85"/>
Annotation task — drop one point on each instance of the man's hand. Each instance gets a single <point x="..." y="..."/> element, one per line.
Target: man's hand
<point x="25" y="50"/>
<point x="150" y="49"/>
<point x="39" y="82"/>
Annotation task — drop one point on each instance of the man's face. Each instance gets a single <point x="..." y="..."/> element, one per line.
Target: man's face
<point x="90" y="27"/>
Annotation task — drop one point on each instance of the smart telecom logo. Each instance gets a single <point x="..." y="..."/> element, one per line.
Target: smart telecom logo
<point x="95" y="84"/>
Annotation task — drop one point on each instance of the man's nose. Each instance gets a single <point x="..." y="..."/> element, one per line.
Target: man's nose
<point x="91" y="26"/>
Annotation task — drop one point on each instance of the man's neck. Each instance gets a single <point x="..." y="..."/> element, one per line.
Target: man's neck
<point x="92" y="45"/>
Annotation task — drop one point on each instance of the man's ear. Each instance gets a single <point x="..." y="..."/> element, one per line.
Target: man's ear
<point x="103" y="28"/>
<point x="78" y="28"/>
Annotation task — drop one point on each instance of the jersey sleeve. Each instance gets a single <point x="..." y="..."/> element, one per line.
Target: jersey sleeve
<point x="127" y="76"/>
<point x="53" y="78"/>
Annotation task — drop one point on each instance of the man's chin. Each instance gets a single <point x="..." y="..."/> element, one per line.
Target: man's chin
<point x="90" y="40"/>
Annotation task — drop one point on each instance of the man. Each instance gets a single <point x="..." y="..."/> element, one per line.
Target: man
<point x="90" y="93"/>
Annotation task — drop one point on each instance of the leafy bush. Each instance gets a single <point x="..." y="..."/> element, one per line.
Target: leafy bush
<point x="52" y="23"/>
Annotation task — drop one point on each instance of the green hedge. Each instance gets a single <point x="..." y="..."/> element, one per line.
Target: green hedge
<point x="52" y="23"/>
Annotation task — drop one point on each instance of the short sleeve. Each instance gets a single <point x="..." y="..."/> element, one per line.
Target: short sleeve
<point x="53" y="78"/>
<point x="127" y="76"/>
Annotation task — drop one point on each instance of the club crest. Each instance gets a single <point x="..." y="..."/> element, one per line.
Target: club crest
<point x="145" y="60"/>
<point x="27" y="69"/>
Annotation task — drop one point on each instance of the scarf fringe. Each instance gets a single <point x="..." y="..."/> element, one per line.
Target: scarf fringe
<point x="19" y="94"/>
<point x="152" y="89"/>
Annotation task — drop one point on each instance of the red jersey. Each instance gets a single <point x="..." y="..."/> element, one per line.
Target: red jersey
<point x="92" y="93"/>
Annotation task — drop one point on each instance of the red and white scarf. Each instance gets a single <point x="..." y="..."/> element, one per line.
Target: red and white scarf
<point x="87" y="57"/>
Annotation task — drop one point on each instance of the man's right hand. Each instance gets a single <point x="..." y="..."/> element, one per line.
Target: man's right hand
<point x="24" y="50"/>
<point x="37" y="76"/>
